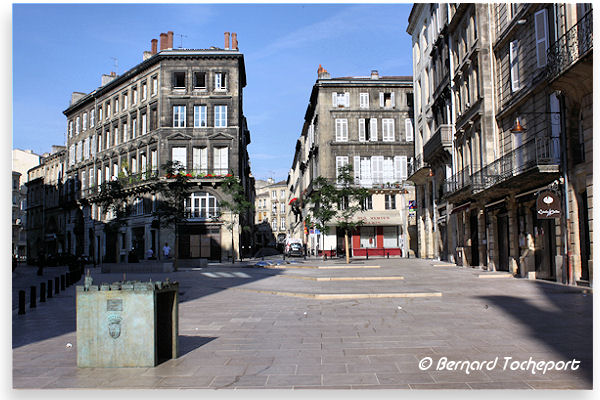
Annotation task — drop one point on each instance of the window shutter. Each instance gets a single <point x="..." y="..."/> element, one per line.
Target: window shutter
<point x="393" y="99"/>
<point x="347" y="96"/>
<point x="373" y="129"/>
<point x="196" y="159"/>
<point x="403" y="167"/>
<point x="356" y="168"/>
<point x="365" y="171"/>
<point x="380" y="99"/>
<point x="388" y="169"/>
<point x="514" y="65"/>
<point x="377" y="169"/>
<point x="541" y="37"/>
<point x="361" y="130"/>
<point x="178" y="154"/>
<point x="334" y="99"/>
<point x="397" y="169"/>
<point x="409" y="129"/>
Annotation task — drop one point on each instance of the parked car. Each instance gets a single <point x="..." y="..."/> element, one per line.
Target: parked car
<point x="295" y="250"/>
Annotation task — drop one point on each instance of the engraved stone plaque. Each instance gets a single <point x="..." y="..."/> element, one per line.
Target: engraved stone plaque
<point x="114" y="305"/>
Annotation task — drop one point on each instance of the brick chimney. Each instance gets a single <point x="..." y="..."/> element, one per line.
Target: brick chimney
<point x="163" y="41"/>
<point x="234" y="43"/>
<point x="170" y="39"/>
<point x="226" y="40"/>
<point x="322" y="73"/>
<point x="154" y="46"/>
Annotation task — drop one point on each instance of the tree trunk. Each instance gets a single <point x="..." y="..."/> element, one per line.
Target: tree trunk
<point x="347" y="247"/>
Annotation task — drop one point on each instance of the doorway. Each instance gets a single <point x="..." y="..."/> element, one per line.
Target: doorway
<point x="474" y="239"/>
<point x="502" y="243"/>
<point x="545" y="246"/>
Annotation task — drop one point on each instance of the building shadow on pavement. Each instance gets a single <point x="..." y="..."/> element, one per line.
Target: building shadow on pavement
<point x="187" y="344"/>
<point x="564" y="324"/>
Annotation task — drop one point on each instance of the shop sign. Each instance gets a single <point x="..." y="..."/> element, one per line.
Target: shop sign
<point x="548" y="205"/>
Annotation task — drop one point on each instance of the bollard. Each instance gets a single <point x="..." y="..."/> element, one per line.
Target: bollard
<point x="388" y="254"/>
<point x="32" y="296"/>
<point x="21" y="302"/>
<point x="367" y="254"/>
<point x="42" y="292"/>
<point x="56" y="285"/>
<point x="49" y="295"/>
<point x="62" y="282"/>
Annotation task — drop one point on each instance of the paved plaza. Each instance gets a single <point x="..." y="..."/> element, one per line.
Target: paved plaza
<point x="378" y="323"/>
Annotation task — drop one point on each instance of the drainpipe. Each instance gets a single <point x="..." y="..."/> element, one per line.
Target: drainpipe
<point x="565" y="220"/>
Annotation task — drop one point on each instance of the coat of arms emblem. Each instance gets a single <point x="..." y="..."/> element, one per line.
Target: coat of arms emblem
<point x="114" y="326"/>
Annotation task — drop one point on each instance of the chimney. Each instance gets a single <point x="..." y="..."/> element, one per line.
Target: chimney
<point x="234" y="43"/>
<point x="226" y="40"/>
<point x="163" y="41"/>
<point x="154" y="46"/>
<point x="322" y="73"/>
<point x="76" y="96"/>
<point x="170" y="39"/>
<point x="146" y="55"/>
<point x="374" y="74"/>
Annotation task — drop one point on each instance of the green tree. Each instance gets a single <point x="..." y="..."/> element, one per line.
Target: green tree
<point x="322" y="206"/>
<point x="237" y="207"/>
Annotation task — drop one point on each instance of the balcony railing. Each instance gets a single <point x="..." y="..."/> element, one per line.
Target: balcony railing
<point x="416" y="164"/>
<point x="458" y="181"/>
<point x="571" y="46"/>
<point x="441" y="140"/>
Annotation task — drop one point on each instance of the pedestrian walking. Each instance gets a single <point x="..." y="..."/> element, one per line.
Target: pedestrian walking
<point x="167" y="250"/>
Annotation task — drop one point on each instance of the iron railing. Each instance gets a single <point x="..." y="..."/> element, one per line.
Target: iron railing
<point x="571" y="46"/>
<point x="442" y="138"/>
<point x="458" y="181"/>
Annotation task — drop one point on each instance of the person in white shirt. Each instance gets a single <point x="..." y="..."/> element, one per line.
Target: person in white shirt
<point x="167" y="250"/>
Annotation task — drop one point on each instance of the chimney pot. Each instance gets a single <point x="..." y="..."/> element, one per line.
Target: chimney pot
<point x="163" y="41"/>
<point x="374" y="74"/>
<point x="234" y="42"/>
<point x="170" y="39"/>
<point x="154" y="46"/>
<point x="226" y="40"/>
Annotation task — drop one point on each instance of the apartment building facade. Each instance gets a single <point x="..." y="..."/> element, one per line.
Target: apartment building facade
<point x="365" y="122"/>
<point x="520" y="98"/>
<point x="22" y="161"/>
<point x="179" y="105"/>
<point x="271" y="225"/>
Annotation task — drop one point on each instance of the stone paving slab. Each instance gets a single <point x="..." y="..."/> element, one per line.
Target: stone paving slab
<point x="232" y="339"/>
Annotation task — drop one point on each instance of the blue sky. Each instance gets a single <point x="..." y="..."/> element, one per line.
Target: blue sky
<point x="62" y="48"/>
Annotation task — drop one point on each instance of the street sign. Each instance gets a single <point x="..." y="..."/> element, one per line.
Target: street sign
<point x="548" y="205"/>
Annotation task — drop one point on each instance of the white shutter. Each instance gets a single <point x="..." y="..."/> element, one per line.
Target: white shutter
<point x="179" y="154"/>
<point x="409" y="129"/>
<point x="403" y="167"/>
<point x="197" y="159"/>
<point x="377" y="169"/>
<point x="541" y="37"/>
<point x="514" y="65"/>
<point x="224" y="159"/>
<point x="373" y="129"/>
<point x="356" y="168"/>
<point x="393" y="99"/>
<point x="387" y="130"/>
<point x="388" y="169"/>
<point x="334" y="99"/>
<point x="72" y="154"/>
<point x="361" y="130"/>
<point x="380" y="99"/>
<point x="340" y="161"/>
<point x="397" y="169"/>
<point x="365" y="171"/>
<point x="347" y="98"/>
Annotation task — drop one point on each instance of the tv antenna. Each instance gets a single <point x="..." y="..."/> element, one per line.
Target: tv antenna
<point x="181" y="39"/>
<point x="116" y="60"/>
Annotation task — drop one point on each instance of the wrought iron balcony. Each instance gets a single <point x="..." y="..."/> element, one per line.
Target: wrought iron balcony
<point x="440" y="141"/>
<point x="571" y="47"/>
<point x="458" y="181"/>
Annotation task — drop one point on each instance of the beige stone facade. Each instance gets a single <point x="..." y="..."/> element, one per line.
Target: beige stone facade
<point x="270" y="213"/>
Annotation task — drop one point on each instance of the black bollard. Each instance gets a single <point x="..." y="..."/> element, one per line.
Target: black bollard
<point x="32" y="297"/>
<point x="388" y="254"/>
<point x="21" y="302"/>
<point x="56" y="285"/>
<point x="42" y="292"/>
<point x="367" y="254"/>
<point x="49" y="295"/>
<point x="62" y="282"/>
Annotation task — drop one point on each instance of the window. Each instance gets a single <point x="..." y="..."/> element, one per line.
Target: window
<point x="400" y="168"/>
<point x="153" y="160"/>
<point x="84" y="127"/>
<point x="144" y="91"/>
<point x="100" y="114"/>
<point x="115" y="171"/>
<point x="200" y="117"/>
<point x="368" y="203"/>
<point x="70" y="128"/>
<point x="343" y="203"/>
<point x="541" y="37"/>
<point x="367" y="237"/>
<point x="154" y="85"/>
<point x="133" y="165"/>
<point x="220" y="161"/>
<point x="514" y="65"/>
<point x="282" y="224"/>
<point x="117" y="105"/>
<point x="125" y="101"/>
<point x="108" y="110"/>
<point x="77" y="126"/>
<point x="78" y="151"/>
<point x="387" y="129"/>
<point x="134" y="95"/>
<point x="364" y="100"/>
<point x="116" y="136"/>
<point x="282" y="208"/>
<point x="390" y="236"/>
<point x="409" y="129"/>
<point x="178" y="117"/>
<point x="86" y="148"/>
<point x="372" y="130"/>
<point x="274" y="194"/>
<point x="390" y="201"/>
<point x="200" y="160"/>
<point x="134" y="128"/>
<point x="282" y="194"/>
<point x="199" y="80"/>
<point x="274" y="225"/>
<point x="99" y="177"/>
<point x="145" y="125"/>
<point x="387" y="100"/>
<point x="220" y="116"/>
<point x="91" y="178"/>
<point x="125" y="136"/>
<point x="100" y="142"/>
<point x="179" y="154"/>
<point x="220" y="81"/>
<point x="143" y="162"/>
<point x="92" y="118"/>
<point x="340" y="99"/>
<point x="340" y="161"/>
<point x="202" y="205"/>
<point x="377" y="169"/>
<point x="274" y="208"/>
<point x="341" y="130"/>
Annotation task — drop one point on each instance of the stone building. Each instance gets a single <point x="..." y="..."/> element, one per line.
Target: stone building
<point x="180" y="105"/>
<point x="366" y="122"/>
<point x="520" y="102"/>
<point x="22" y="161"/>
<point x="270" y="218"/>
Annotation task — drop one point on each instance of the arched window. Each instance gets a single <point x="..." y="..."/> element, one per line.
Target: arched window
<point x="201" y="205"/>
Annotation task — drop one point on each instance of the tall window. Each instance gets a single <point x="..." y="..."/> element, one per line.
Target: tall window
<point x="514" y="66"/>
<point x="116" y="105"/>
<point x="134" y="96"/>
<point x="340" y="161"/>
<point x="200" y="160"/>
<point x="390" y="201"/>
<point x="100" y="114"/>
<point x="178" y="116"/>
<point x="200" y="80"/>
<point x="70" y="128"/>
<point x="144" y="91"/>
<point x="340" y="99"/>
<point x="202" y="205"/>
<point x="387" y="129"/>
<point x="77" y="126"/>
<point x="153" y="160"/>
<point x="179" y="154"/>
<point x="108" y="110"/>
<point x="220" y="81"/>
<point x="134" y="128"/>
<point x="92" y="118"/>
<point x="341" y="130"/>
<point x="220" y="160"/>
<point x="115" y="136"/>
<point x="220" y="116"/>
<point x="84" y="127"/>
<point x="154" y="85"/>
<point x="125" y="98"/>
<point x="368" y="203"/>
<point x="541" y="37"/>
<point x="144" y="124"/>
<point x="408" y="125"/>
<point x="200" y="117"/>
<point x="364" y="100"/>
